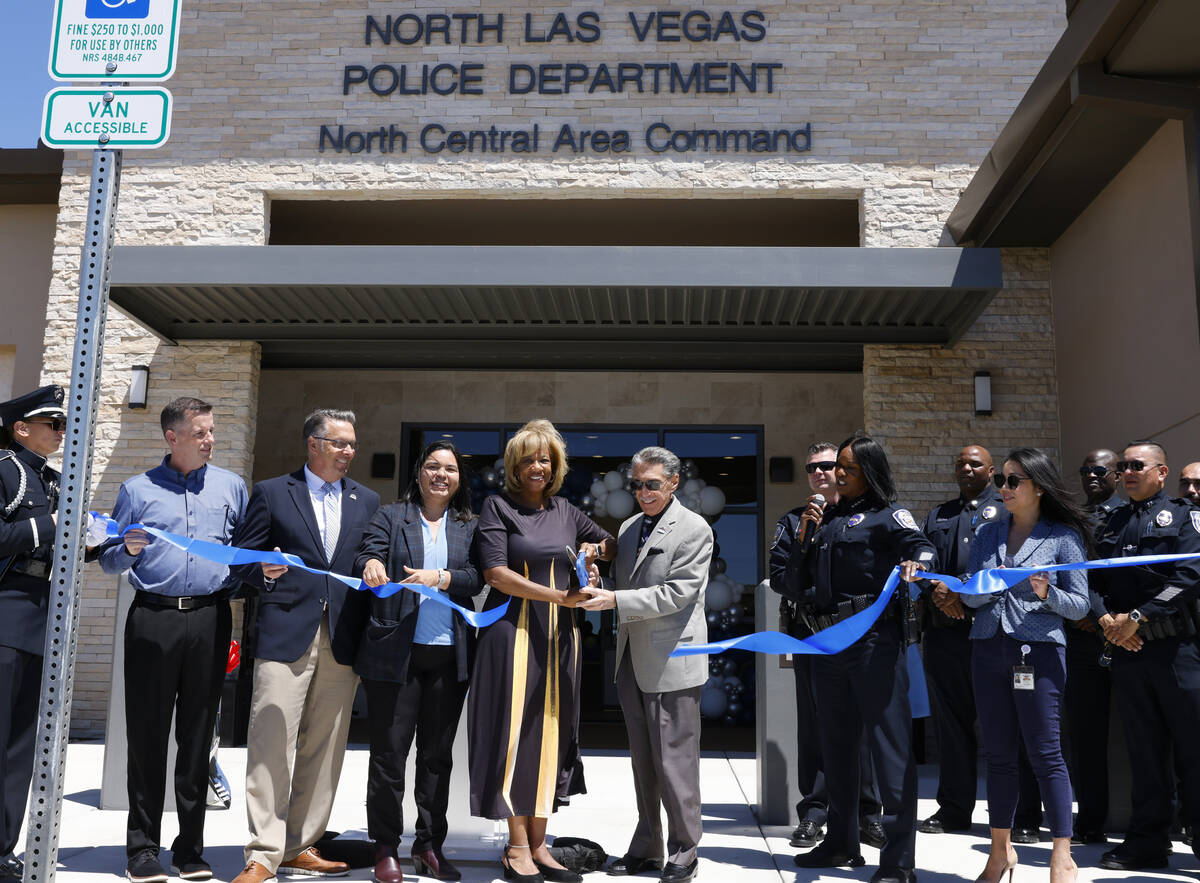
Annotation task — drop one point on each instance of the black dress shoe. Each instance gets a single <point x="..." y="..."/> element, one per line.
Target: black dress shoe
<point x="894" y="875"/>
<point x="828" y="858"/>
<point x="673" y="873"/>
<point x="939" y="824"/>
<point x="11" y="868"/>
<point x="1084" y="838"/>
<point x="1119" y="860"/>
<point x="631" y="864"/>
<point x="807" y="835"/>
<point x="871" y="833"/>
<point x="1025" y="835"/>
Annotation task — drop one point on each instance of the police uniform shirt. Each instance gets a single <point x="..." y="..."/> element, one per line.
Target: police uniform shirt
<point x="856" y="548"/>
<point x="26" y="535"/>
<point x="1160" y="525"/>
<point x="787" y="529"/>
<point x="951" y="527"/>
<point x="1104" y="508"/>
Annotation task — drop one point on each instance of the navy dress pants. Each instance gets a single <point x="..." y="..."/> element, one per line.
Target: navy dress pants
<point x="20" y="688"/>
<point x="1088" y="701"/>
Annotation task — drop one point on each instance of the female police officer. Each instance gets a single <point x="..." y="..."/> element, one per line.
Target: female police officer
<point x="863" y="691"/>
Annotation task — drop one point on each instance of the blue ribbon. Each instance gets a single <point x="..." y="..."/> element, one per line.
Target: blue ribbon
<point x="232" y="556"/>
<point x="841" y="635"/>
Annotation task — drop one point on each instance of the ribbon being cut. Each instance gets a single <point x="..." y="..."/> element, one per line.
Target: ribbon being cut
<point x="232" y="556"/>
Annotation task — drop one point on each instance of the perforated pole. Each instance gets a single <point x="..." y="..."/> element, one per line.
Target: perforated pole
<point x="62" y="627"/>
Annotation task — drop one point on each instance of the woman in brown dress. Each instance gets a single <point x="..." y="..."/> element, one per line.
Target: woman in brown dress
<point x="523" y="709"/>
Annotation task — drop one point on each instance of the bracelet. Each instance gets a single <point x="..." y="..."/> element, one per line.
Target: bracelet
<point x="440" y="572"/>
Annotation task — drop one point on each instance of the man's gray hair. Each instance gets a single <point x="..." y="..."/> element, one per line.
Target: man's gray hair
<point x="315" y="423"/>
<point x="664" y="458"/>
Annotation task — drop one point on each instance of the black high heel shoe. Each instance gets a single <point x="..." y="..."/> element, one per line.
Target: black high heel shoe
<point x="510" y="874"/>
<point x="558" y="875"/>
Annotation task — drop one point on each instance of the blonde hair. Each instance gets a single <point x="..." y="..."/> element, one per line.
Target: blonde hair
<point x="534" y="436"/>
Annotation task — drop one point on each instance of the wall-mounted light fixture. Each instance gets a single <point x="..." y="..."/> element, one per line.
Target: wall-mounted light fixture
<point x="139" y="385"/>
<point x="983" y="393"/>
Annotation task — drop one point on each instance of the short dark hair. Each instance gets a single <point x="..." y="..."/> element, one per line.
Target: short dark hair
<point x="1147" y="443"/>
<point x="460" y="503"/>
<point x="874" y="464"/>
<point x="315" y="423"/>
<point x="181" y="409"/>
<point x="821" y="446"/>
<point x="1057" y="504"/>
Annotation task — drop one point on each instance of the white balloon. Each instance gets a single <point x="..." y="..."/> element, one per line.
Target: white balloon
<point x="613" y="480"/>
<point x="712" y="500"/>
<point x="598" y="489"/>
<point x="718" y="595"/>
<point x="692" y="486"/>
<point x="620" y="504"/>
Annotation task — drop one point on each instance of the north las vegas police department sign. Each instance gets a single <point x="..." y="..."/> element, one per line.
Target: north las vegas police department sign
<point x="587" y="76"/>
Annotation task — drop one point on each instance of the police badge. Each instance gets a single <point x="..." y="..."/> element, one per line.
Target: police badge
<point x="1163" y="518"/>
<point x="904" y="519"/>
<point x="988" y="513"/>
<point x="855" y="520"/>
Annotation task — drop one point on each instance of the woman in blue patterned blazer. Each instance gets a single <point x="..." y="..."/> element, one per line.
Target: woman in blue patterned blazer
<point x="1019" y="632"/>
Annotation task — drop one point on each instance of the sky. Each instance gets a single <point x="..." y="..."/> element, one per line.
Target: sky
<point x="27" y="34"/>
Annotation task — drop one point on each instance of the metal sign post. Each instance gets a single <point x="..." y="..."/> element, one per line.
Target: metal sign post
<point x="58" y="666"/>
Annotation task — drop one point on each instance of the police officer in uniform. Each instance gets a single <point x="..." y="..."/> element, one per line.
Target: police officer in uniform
<point x="812" y="809"/>
<point x="862" y="692"/>
<point x="34" y="424"/>
<point x="1148" y="616"/>
<point x="1089" y="684"/>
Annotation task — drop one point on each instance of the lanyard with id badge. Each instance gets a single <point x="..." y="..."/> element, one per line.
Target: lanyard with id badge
<point x="1023" y="674"/>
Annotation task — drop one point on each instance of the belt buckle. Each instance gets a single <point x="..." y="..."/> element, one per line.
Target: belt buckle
<point x="184" y="603"/>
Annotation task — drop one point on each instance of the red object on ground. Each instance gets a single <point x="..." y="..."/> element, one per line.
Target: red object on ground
<point x="235" y="656"/>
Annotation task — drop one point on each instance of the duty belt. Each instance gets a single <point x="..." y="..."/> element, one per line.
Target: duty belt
<point x="1178" y="625"/>
<point x="846" y="609"/>
<point x="172" y="602"/>
<point x="30" y="567"/>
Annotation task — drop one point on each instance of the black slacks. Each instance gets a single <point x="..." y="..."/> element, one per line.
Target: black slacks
<point x="428" y="705"/>
<point x="813" y="805"/>
<point x="862" y="694"/>
<point x="947" y="659"/>
<point x="174" y="662"/>
<point x="20" y="688"/>
<point x="1158" y="692"/>
<point x="1087" y="703"/>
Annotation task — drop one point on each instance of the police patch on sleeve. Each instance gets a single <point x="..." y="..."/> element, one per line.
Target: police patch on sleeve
<point x="904" y="519"/>
<point x="1195" y="514"/>
<point x="1163" y="518"/>
<point x="779" y="529"/>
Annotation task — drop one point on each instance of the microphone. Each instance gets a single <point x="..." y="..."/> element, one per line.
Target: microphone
<point x="807" y="536"/>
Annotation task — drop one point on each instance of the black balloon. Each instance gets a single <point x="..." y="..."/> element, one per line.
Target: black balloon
<point x="719" y="565"/>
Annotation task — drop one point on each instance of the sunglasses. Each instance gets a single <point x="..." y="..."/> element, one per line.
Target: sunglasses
<point x="1134" y="465"/>
<point x="1013" y="481"/>
<point x="56" y="424"/>
<point x="1098" y="471"/>
<point x="653" y="484"/>
<point x="823" y="465"/>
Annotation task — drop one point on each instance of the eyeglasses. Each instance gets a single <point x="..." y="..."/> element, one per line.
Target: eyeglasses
<point x="56" y="424"/>
<point x="1013" y="481"/>
<point x="653" y="484"/>
<point x="1098" y="471"/>
<point x="339" y="444"/>
<point x="823" y="465"/>
<point x="1134" y="465"/>
<point x="1189" y="482"/>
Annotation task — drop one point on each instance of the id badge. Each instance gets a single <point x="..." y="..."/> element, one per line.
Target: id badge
<point x="1022" y="677"/>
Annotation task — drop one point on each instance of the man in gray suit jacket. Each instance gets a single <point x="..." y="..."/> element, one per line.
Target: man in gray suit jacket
<point x="661" y="571"/>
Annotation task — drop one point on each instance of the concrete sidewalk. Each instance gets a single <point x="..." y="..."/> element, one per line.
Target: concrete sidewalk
<point x="735" y="847"/>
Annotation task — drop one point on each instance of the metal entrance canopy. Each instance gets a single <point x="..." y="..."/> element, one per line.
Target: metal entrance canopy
<point x="550" y="307"/>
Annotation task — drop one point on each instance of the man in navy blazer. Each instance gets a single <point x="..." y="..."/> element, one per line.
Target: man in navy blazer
<point x="306" y="639"/>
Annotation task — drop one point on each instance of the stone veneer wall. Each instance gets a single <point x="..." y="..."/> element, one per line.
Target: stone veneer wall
<point x="904" y="98"/>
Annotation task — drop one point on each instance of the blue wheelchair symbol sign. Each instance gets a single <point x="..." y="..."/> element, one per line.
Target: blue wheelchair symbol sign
<point x="117" y="8"/>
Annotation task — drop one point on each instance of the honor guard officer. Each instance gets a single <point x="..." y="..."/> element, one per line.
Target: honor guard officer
<point x="812" y="808"/>
<point x="1089" y="684"/>
<point x="35" y="424"/>
<point x="1148" y="615"/>
<point x="951" y="528"/>
<point x="862" y="692"/>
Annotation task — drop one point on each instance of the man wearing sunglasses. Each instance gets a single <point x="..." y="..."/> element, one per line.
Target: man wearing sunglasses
<point x="812" y="809"/>
<point x="1148" y="616"/>
<point x="1088" y="696"/>
<point x="35" y="424"/>
<point x="1189" y="483"/>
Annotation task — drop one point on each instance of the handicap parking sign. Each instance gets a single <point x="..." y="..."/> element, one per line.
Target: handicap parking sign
<point x="117" y="8"/>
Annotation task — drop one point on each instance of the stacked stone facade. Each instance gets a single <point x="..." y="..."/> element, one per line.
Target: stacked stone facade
<point x="904" y="99"/>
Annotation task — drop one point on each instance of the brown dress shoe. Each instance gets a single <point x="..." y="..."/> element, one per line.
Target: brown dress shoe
<point x="431" y="863"/>
<point x="254" y="873"/>
<point x="387" y="865"/>
<point x="311" y="864"/>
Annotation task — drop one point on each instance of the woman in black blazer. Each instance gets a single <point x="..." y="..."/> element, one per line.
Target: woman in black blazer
<point x="415" y="657"/>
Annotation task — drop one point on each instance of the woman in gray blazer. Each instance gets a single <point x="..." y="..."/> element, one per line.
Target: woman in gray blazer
<point x="1018" y="656"/>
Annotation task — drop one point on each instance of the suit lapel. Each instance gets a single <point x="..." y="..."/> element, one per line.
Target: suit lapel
<point x="664" y="526"/>
<point x="299" y="491"/>
<point x="414" y="538"/>
<point x="350" y="507"/>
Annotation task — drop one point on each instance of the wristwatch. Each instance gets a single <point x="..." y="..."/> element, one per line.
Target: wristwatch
<point x="1136" y="616"/>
